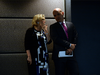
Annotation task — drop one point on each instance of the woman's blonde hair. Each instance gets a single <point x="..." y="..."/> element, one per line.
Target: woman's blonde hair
<point x="36" y="18"/>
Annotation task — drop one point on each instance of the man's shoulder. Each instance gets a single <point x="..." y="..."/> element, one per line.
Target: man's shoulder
<point x="54" y="24"/>
<point x="68" y="22"/>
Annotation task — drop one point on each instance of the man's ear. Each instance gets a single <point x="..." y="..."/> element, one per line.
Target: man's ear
<point x="62" y="13"/>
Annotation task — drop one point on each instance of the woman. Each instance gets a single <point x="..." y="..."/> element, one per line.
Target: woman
<point x="36" y="39"/>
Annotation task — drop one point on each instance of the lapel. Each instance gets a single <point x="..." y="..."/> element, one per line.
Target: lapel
<point x="61" y="31"/>
<point x="67" y="26"/>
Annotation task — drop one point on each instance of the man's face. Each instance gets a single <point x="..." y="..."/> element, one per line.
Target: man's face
<point x="58" y="15"/>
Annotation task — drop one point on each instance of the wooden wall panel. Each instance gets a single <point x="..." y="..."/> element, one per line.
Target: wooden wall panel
<point x="12" y="33"/>
<point x="13" y="64"/>
<point x="28" y="8"/>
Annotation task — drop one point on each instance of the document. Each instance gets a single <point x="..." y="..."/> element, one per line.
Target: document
<point x="63" y="54"/>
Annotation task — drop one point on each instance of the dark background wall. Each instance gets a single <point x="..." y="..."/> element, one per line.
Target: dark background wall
<point x="86" y="18"/>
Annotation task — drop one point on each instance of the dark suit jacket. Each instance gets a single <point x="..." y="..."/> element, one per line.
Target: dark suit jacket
<point x="60" y="42"/>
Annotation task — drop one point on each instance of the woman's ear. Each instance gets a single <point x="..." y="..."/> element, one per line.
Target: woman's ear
<point x="37" y="22"/>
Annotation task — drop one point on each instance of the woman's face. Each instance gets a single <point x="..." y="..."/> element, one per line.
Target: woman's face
<point x="42" y="22"/>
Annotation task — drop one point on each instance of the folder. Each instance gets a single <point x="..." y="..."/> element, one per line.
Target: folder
<point x="63" y="54"/>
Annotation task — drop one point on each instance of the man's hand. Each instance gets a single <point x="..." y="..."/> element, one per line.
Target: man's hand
<point x="69" y="51"/>
<point x="72" y="46"/>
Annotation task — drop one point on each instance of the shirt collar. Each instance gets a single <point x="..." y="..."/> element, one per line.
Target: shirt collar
<point x="61" y="22"/>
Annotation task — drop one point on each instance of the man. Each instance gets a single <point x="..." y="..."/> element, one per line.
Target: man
<point x="63" y="40"/>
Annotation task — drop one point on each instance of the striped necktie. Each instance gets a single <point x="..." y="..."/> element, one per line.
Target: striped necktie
<point x="65" y="29"/>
